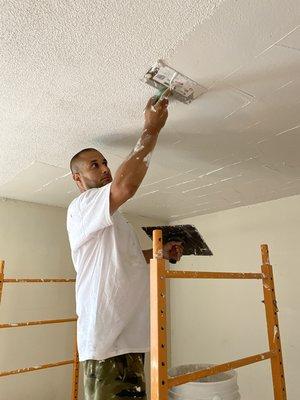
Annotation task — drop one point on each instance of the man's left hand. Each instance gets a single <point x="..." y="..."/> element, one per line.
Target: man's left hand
<point x="173" y="251"/>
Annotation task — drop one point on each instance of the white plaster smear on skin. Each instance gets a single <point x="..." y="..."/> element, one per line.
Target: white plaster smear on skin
<point x="138" y="146"/>
<point x="147" y="159"/>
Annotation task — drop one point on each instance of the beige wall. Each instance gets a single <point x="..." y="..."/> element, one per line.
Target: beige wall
<point x="218" y="321"/>
<point x="34" y="244"/>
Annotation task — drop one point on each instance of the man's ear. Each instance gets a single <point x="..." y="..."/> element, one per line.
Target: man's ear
<point x="76" y="177"/>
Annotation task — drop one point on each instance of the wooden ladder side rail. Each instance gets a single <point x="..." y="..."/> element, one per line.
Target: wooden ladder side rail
<point x="158" y="321"/>
<point x="160" y="381"/>
<point x="74" y="361"/>
<point x="273" y="326"/>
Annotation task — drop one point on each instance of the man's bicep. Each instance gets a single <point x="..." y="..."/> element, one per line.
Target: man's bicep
<point x="118" y="196"/>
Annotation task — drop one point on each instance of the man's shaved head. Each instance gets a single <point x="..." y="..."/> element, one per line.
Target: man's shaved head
<point x="75" y="161"/>
<point x="90" y="169"/>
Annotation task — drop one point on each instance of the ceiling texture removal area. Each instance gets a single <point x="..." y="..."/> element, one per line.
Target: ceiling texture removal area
<point x="70" y="78"/>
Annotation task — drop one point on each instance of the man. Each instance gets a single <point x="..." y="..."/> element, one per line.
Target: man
<point x="112" y="284"/>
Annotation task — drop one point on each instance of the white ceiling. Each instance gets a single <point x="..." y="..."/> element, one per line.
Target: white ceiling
<point x="69" y="74"/>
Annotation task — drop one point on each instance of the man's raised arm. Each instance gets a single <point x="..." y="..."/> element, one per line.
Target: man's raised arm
<point x="131" y="172"/>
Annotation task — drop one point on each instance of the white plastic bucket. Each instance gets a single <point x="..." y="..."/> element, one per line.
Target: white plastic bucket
<point x="222" y="386"/>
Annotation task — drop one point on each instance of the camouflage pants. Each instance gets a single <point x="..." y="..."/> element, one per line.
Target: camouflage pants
<point x="121" y="377"/>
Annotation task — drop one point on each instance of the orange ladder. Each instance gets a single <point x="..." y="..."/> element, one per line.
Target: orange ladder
<point x="160" y="381"/>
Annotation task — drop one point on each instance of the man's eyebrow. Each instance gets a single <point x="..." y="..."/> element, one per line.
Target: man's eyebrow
<point x="97" y="160"/>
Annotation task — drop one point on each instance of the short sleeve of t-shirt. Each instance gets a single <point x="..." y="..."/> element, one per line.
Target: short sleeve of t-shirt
<point x="88" y="214"/>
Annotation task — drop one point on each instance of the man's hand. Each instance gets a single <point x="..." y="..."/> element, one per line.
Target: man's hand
<point x="173" y="251"/>
<point x="156" y="115"/>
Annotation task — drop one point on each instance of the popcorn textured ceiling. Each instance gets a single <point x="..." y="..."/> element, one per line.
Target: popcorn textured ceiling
<point x="69" y="75"/>
<point x="70" y="70"/>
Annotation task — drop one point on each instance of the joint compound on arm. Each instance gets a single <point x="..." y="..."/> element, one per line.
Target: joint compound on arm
<point x="147" y="159"/>
<point x="139" y="146"/>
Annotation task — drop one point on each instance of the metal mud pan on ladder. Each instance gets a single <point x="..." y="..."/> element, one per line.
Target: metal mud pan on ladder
<point x="222" y="386"/>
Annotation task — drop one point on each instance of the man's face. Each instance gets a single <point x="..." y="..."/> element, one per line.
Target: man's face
<point x="93" y="171"/>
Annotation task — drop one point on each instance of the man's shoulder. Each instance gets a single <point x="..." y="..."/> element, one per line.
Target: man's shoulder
<point x="73" y="206"/>
<point x="86" y="196"/>
<point x="74" y="202"/>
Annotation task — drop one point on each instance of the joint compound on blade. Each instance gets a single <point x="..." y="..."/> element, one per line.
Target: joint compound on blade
<point x="163" y="77"/>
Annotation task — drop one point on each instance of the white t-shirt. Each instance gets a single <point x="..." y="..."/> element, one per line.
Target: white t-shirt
<point x="112" y="283"/>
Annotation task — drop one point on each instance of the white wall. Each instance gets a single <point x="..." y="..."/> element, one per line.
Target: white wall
<point x="217" y="321"/>
<point x="34" y="244"/>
